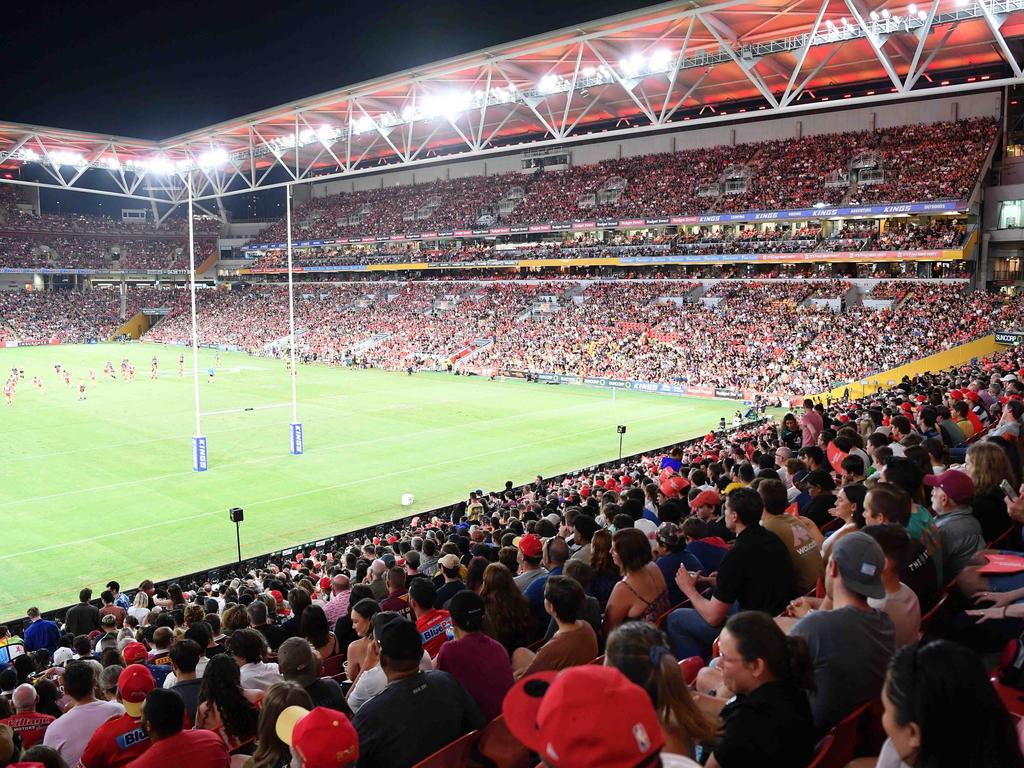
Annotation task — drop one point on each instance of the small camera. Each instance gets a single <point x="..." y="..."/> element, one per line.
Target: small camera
<point x="621" y="429"/>
<point x="236" y="514"/>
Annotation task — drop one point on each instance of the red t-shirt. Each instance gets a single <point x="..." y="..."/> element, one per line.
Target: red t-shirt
<point x="196" y="749"/>
<point x="30" y="725"/>
<point x="116" y="743"/>
<point x="434" y="628"/>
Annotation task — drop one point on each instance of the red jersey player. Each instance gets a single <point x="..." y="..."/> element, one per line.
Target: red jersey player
<point x="81" y="389"/>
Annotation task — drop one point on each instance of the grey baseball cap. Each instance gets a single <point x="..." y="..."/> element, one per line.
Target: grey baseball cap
<point x="860" y="561"/>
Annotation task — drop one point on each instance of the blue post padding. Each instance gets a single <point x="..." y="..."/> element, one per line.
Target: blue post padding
<point x="296" y="439"/>
<point x="200" y="461"/>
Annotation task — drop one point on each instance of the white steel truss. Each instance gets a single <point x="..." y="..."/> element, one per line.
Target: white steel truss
<point x="632" y="73"/>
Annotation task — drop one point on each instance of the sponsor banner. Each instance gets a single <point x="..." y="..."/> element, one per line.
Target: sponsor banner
<point x="1009" y="338"/>
<point x="701" y="391"/>
<point x="641" y="386"/>
<point x="891" y="209"/>
<point x="296" y="441"/>
<point x="396" y="237"/>
<point x="730" y="258"/>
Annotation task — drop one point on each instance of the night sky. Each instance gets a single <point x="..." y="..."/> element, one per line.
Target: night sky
<point x="156" y="68"/>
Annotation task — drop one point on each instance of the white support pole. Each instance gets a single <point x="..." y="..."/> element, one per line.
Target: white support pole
<point x="199" y="455"/>
<point x="296" y="426"/>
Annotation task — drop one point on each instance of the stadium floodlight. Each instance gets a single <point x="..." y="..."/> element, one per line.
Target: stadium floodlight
<point x="912" y="10"/>
<point x="885" y="13"/>
<point x="552" y="83"/>
<point x="112" y="163"/>
<point x="632" y="66"/>
<point x="829" y="23"/>
<point x="62" y="157"/>
<point x="362" y="125"/>
<point x="588" y="71"/>
<point x="449" y="105"/>
<point x="922" y="15"/>
<point x="660" y="60"/>
<point x="215" y="157"/>
<point x="874" y="15"/>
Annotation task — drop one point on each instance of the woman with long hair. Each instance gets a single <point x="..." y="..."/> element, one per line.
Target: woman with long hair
<point x="234" y="617"/>
<point x="140" y="606"/>
<point x="49" y="697"/>
<point x="475" y="573"/>
<point x="790" y="434"/>
<point x="361" y="613"/>
<point x="849" y="508"/>
<point x="605" y="572"/>
<point x="642" y="593"/>
<point x="941" y="711"/>
<point x="988" y="465"/>
<point x="768" y="721"/>
<point x="271" y="752"/>
<point x="314" y="627"/>
<point x="640" y="651"/>
<point x="508" y="617"/>
<point x="225" y="707"/>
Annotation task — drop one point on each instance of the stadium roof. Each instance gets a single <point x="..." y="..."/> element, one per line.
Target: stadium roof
<point x="647" y="70"/>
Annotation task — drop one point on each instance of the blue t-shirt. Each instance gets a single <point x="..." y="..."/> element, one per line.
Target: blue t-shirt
<point x="669" y="565"/>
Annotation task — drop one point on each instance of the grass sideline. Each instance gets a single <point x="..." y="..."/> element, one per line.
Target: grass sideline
<point x="104" y="488"/>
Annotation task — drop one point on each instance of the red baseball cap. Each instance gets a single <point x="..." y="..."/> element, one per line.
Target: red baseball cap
<point x="558" y="716"/>
<point x="322" y="737"/>
<point x="134" y="653"/>
<point x="673" y="485"/>
<point x="956" y="484"/>
<point x="705" y="499"/>
<point x="133" y="686"/>
<point x="956" y="394"/>
<point x="530" y="545"/>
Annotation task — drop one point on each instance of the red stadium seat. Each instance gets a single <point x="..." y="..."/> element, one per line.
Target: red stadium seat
<point x="690" y="667"/>
<point x="498" y="745"/>
<point x="822" y="751"/>
<point x="332" y="665"/>
<point x="454" y="755"/>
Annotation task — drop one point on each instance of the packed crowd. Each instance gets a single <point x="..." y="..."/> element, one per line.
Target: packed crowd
<point x="821" y="579"/>
<point x="922" y="162"/>
<point x="61" y="250"/>
<point x="749" y="334"/>
<point x="73" y="317"/>
<point x="705" y="240"/>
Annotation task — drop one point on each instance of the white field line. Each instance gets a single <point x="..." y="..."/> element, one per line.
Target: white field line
<point x="263" y="459"/>
<point x="372" y="479"/>
<point x="243" y="410"/>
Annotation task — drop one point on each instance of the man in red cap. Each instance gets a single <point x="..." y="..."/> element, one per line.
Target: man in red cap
<point x="962" y="539"/>
<point x="558" y="716"/>
<point x="122" y="739"/>
<point x="163" y="715"/>
<point x="531" y="552"/>
<point x="319" y="738"/>
<point x="707" y="506"/>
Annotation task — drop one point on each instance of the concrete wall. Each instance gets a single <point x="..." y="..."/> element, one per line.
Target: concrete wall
<point x="962" y="106"/>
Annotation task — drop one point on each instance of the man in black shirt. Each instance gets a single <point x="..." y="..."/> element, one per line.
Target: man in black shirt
<point x="756" y="574"/>
<point x="274" y="636"/>
<point x="418" y="712"/>
<point x="83" y="618"/>
<point x="820" y="486"/>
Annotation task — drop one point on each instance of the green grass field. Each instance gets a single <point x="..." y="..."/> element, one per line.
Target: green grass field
<point x="104" y="488"/>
